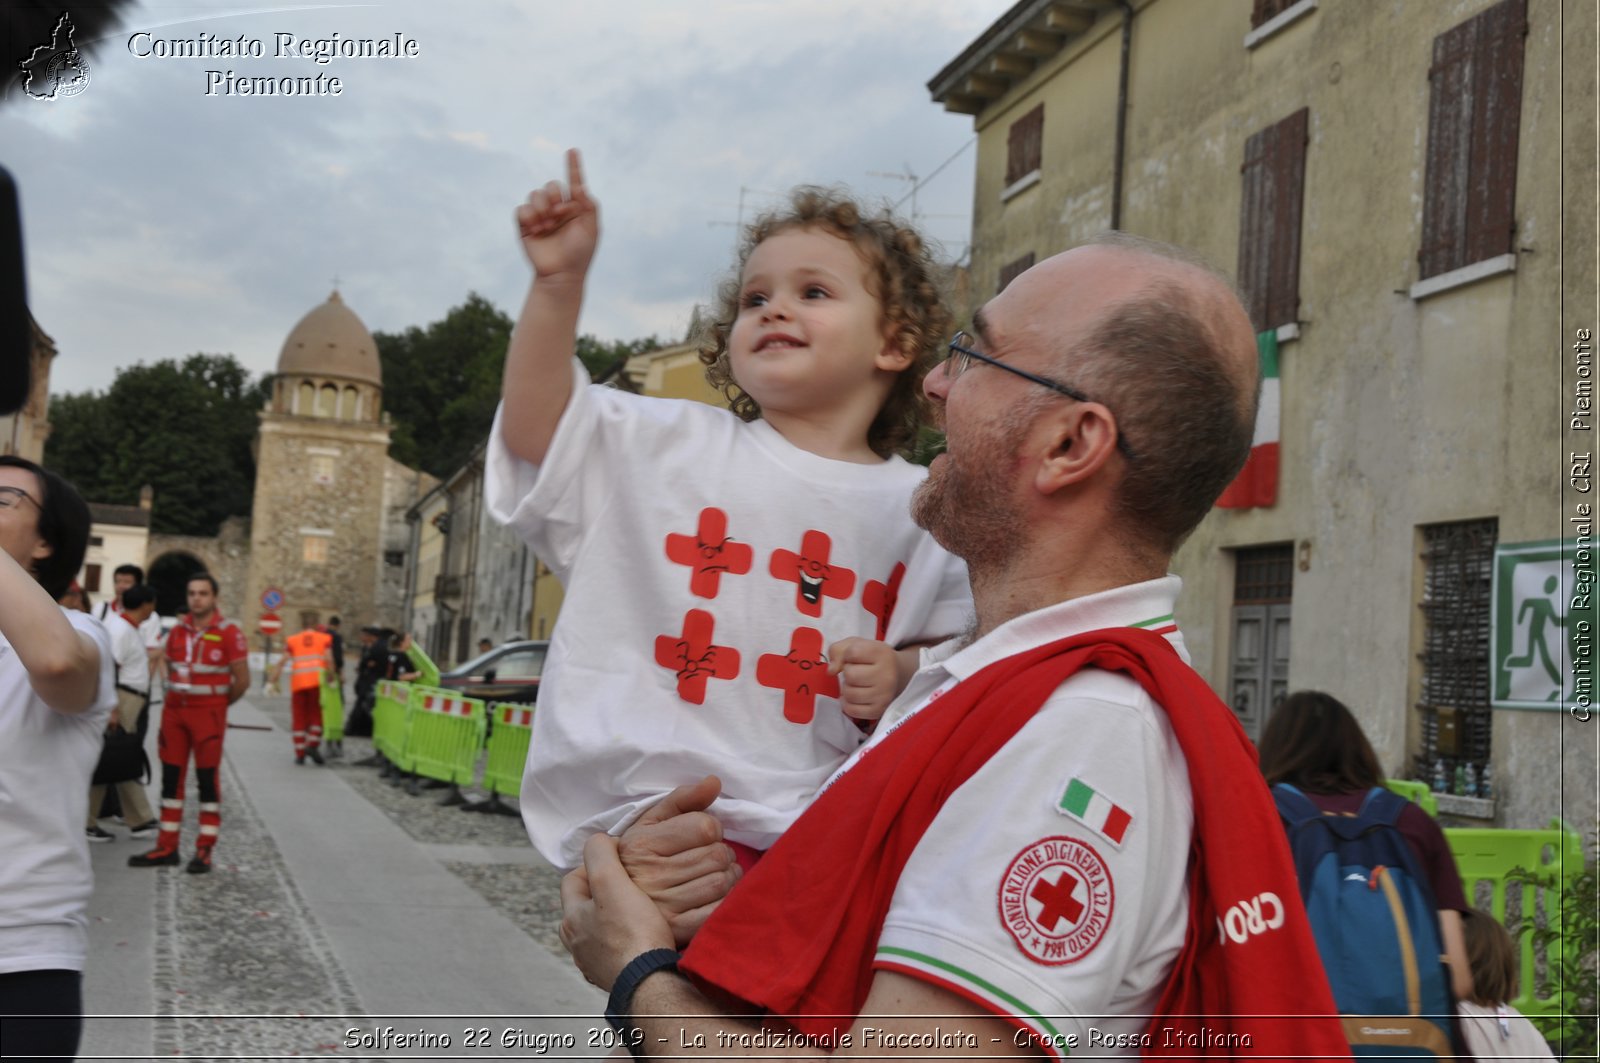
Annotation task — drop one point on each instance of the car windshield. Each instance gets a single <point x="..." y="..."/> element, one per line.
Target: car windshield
<point x="523" y="664"/>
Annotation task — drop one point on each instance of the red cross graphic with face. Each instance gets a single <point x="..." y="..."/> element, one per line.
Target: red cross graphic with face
<point x="709" y="553"/>
<point x="813" y="576"/>
<point x="802" y="674"/>
<point x="1058" y="901"/>
<point x="879" y="598"/>
<point x="694" y="658"/>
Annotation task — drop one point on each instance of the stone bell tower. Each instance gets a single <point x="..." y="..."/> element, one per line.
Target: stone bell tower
<point x="321" y="455"/>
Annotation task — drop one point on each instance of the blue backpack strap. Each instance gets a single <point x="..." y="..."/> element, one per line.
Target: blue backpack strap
<point x="1294" y="807"/>
<point x="1382" y="805"/>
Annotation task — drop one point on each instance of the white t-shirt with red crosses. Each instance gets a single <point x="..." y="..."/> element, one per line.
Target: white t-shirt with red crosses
<point x="1051" y="887"/>
<point x="708" y="565"/>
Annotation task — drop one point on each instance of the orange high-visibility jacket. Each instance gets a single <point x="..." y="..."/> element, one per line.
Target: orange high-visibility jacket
<point x="307" y="650"/>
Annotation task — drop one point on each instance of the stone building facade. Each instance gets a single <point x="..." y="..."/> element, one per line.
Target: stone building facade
<point x="322" y="470"/>
<point x="1386" y="183"/>
<point x="226" y="555"/>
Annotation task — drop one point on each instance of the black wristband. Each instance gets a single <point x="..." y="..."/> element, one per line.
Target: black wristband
<point x="638" y="969"/>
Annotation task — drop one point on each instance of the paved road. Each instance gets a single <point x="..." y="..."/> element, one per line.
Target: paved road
<point x="325" y="929"/>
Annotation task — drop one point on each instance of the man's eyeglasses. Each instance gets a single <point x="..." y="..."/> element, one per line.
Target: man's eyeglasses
<point x="13" y="496"/>
<point x="961" y="357"/>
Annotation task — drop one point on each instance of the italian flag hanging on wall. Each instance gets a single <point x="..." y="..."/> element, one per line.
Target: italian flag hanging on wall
<point x="1257" y="483"/>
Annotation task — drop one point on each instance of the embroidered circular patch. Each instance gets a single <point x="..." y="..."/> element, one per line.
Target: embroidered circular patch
<point x="1056" y="900"/>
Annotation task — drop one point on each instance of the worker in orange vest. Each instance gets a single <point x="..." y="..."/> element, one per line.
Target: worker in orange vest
<point x="309" y="655"/>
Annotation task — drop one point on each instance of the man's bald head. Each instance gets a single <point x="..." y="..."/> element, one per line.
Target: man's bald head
<point x="1161" y="339"/>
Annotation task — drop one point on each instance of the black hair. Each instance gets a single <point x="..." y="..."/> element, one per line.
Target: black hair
<point x="208" y="577"/>
<point x="137" y="595"/>
<point x="130" y="570"/>
<point x="63" y="523"/>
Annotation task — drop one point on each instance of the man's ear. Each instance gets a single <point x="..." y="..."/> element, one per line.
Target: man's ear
<point x="1080" y="439"/>
<point x="42" y="550"/>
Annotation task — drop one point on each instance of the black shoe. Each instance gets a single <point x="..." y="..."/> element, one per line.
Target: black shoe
<point x="98" y="834"/>
<point x="315" y="754"/>
<point x="299" y="758"/>
<point x="200" y="865"/>
<point x="145" y="830"/>
<point x="155" y="858"/>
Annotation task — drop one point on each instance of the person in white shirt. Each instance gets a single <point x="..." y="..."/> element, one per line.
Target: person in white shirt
<point x="56" y="692"/>
<point x="133" y="704"/>
<point x="123" y="578"/>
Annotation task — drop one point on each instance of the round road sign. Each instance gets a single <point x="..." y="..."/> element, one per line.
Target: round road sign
<point x="271" y="598"/>
<point x="270" y="623"/>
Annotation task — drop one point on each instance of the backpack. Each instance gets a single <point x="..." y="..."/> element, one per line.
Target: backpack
<point x="1375" y="922"/>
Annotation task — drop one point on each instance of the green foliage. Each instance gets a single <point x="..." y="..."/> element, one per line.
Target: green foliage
<point x="441" y="383"/>
<point x="185" y="428"/>
<point x="1572" y="937"/>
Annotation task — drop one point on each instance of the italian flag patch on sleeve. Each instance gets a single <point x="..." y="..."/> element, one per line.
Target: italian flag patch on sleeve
<point x="1096" y="811"/>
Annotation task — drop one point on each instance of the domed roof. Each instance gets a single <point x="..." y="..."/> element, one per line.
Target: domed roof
<point x="331" y="341"/>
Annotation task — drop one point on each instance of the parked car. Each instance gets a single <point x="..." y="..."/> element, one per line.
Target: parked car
<point x="509" y="672"/>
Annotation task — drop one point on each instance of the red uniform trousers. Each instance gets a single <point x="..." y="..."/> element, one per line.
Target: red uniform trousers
<point x="306" y="710"/>
<point x="191" y="725"/>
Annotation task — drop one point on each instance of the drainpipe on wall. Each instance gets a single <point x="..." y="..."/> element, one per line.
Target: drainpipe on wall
<point x="1122" y="114"/>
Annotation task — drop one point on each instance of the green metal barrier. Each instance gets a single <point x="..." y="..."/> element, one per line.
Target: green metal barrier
<point x="332" y="712"/>
<point x="507" y="748"/>
<point x="446" y="735"/>
<point x="389" y="718"/>
<point x="1412" y="790"/>
<point x="1552" y="856"/>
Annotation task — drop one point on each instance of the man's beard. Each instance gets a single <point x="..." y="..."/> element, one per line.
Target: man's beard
<point x="966" y="503"/>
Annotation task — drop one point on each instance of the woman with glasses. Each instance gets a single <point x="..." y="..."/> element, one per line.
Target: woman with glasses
<point x="56" y="694"/>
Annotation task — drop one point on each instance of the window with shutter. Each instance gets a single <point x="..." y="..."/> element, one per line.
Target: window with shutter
<point x="1011" y="270"/>
<point x="1265" y="11"/>
<point x="1274" y="177"/>
<point x="1474" y="117"/>
<point x="1025" y="145"/>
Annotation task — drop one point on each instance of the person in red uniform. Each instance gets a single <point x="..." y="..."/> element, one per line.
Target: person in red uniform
<point x="309" y="654"/>
<point x="207" y="670"/>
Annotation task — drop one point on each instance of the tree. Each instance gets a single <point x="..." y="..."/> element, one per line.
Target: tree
<point x="441" y="383"/>
<point x="183" y="428"/>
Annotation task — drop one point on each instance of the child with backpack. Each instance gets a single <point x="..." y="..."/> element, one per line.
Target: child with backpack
<point x="1493" y="1029"/>
<point x="1377" y="876"/>
<point x="737" y="583"/>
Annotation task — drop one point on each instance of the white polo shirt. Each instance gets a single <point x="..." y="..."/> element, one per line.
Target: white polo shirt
<point x="46" y="761"/>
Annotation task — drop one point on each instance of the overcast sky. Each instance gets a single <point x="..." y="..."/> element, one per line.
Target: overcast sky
<point x="160" y="221"/>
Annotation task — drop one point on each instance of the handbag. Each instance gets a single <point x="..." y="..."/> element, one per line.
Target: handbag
<point x="122" y="758"/>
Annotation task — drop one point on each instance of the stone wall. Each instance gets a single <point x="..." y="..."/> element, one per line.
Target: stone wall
<point x="226" y="556"/>
<point x="318" y="515"/>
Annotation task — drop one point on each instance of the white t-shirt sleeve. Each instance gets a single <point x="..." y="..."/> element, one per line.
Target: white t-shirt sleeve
<point x="1051" y="886"/>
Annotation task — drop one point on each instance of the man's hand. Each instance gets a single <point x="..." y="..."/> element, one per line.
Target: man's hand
<point x="560" y="229"/>
<point x="605" y="919"/>
<point x="674" y="853"/>
<point x="868" y="676"/>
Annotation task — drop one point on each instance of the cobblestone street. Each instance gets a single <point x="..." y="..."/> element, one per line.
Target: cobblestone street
<point x="340" y="907"/>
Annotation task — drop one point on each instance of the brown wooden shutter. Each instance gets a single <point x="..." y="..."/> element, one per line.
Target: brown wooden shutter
<point x="1274" y="174"/>
<point x="1025" y="145"/>
<point x="1011" y="270"/>
<point x="1267" y="10"/>
<point x="1497" y="120"/>
<point x="1474" y="118"/>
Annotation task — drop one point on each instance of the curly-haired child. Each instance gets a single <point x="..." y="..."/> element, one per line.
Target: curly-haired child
<point x="1492" y="1027"/>
<point x="739" y="585"/>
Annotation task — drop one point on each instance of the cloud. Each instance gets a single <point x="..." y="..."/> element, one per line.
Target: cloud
<point x="161" y="220"/>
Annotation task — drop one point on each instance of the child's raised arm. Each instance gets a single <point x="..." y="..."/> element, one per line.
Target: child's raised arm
<point x="559" y="232"/>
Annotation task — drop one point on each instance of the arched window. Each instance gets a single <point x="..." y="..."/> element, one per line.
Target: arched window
<point x="327" y="401"/>
<point x="349" y="403"/>
<point x="306" y="399"/>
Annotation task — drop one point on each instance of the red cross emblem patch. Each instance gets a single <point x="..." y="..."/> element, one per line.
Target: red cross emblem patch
<point x="1056" y="900"/>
